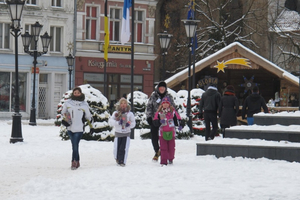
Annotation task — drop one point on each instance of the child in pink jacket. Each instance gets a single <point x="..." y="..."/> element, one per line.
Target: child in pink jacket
<point x="167" y="118"/>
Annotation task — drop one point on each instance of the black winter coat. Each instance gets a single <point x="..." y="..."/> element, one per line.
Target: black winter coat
<point x="210" y="101"/>
<point x="229" y="108"/>
<point x="253" y="105"/>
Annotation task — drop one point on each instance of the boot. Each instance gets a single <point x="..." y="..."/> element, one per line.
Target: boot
<point x="77" y="164"/>
<point x="73" y="166"/>
<point x="156" y="156"/>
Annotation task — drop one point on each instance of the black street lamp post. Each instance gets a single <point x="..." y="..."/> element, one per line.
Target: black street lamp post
<point x="70" y="61"/>
<point x="164" y="40"/>
<point x="190" y="28"/>
<point x="26" y="39"/>
<point x="15" y="8"/>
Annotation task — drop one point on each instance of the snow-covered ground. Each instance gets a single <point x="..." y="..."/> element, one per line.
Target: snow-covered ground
<point x="39" y="169"/>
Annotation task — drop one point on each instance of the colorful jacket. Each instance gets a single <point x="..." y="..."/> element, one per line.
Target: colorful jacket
<point x="155" y="101"/>
<point x="171" y="120"/>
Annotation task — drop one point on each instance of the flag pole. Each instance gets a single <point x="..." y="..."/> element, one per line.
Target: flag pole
<point x="106" y="43"/>
<point x="132" y="61"/>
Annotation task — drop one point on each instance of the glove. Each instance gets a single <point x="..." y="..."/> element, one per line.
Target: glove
<point x="200" y="115"/>
<point x="162" y="121"/>
<point x="127" y="124"/>
<point x="149" y="120"/>
<point x="180" y="128"/>
<point x="120" y="122"/>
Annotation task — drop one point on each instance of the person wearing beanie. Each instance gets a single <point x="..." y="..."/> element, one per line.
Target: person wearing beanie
<point x="208" y="108"/>
<point x="166" y="118"/>
<point x="75" y="110"/>
<point x="228" y="110"/>
<point x="154" y="102"/>
<point x="123" y="121"/>
<point x="253" y="104"/>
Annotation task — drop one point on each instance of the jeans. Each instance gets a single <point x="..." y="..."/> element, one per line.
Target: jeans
<point x="75" y="138"/>
<point x="154" y="137"/>
<point x="250" y="120"/>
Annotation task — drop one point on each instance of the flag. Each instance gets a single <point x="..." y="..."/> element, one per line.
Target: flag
<point x="125" y="31"/>
<point x="106" y="35"/>
<point x="191" y="15"/>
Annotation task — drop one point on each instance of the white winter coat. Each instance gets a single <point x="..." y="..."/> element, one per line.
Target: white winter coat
<point x="76" y="110"/>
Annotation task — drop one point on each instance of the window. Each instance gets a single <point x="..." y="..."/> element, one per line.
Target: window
<point x="138" y="23"/>
<point x="56" y="3"/>
<point x="55" y="44"/>
<point x="4" y="36"/>
<point x="91" y="23"/>
<point x="2" y="1"/>
<point x="33" y="2"/>
<point x="115" y="22"/>
<point x="7" y="98"/>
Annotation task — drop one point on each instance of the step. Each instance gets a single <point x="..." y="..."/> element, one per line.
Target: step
<point x="274" y="135"/>
<point x="280" y="152"/>
<point x="272" y="119"/>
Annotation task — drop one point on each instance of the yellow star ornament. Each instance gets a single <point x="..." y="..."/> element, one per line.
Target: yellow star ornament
<point x="220" y="66"/>
<point x="238" y="61"/>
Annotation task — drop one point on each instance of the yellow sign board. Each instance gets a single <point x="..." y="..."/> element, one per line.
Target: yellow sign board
<point x="118" y="49"/>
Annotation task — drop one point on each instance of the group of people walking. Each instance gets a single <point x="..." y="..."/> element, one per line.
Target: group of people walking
<point x="162" y="118"/>
<point x="212" y="105"/>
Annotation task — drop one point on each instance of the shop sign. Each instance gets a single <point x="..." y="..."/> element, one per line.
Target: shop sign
<point x="118" y="49"/>
<point x="94" y="63"/>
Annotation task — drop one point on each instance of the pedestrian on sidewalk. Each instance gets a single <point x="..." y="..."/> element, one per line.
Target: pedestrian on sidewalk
<point x="75" y="111"/>
<point x="123" y="121"/>
<point x="253" y="104"/>
<point x="209" y="105"/>
<point x="154" y="102"/>
<point x="228" y="110"/>
<point x="166" y="118"/>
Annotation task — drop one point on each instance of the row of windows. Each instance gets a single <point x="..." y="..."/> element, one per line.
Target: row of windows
<point x="115" y="24"/>
<point x="55" y="32"/>
<point x="56" y="3"/>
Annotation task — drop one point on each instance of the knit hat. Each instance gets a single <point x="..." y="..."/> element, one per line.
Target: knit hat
<point x="166" y="100"/>
<point x="162" y="84"/>
<point x="230" y="88"/>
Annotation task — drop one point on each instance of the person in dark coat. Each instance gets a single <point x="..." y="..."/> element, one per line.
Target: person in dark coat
<point x="228" y="110"/>
<point x="253" y="104"/>
<point x="209" y="105"/>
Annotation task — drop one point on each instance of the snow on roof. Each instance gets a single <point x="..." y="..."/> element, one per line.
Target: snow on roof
<point x="285" y="74"/>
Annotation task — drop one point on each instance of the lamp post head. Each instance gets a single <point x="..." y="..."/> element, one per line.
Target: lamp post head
<point x="164" y="40"/>
<point x="15" y="9"/>
<point x="46" y="39"/>
<point x="190" y="27"/>
<point x="36" y="30"/>
<point x="70" y="61"/>
<point x="26" y="39"/>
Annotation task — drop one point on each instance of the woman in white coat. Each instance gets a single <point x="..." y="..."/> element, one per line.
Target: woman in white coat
<point x="76" y="110"/>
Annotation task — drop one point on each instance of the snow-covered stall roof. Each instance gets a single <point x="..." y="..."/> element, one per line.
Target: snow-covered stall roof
<point x="243" y="51"/>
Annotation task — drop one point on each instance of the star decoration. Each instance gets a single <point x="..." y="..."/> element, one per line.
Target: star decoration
<point x="220" y="66"/>
<point x="70" y="46"/>
<point x="248" y="84"/>
<point x="167" y="21"/>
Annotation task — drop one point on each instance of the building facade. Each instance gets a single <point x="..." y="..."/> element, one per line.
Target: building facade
<point x="51" y="70"/>
<point x="89" y="61"/>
